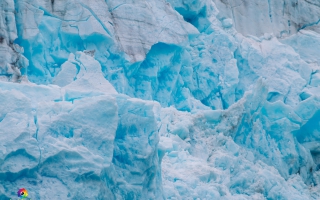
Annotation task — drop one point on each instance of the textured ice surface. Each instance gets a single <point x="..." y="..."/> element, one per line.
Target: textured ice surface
<point x="12" y="62"/>
<point x="282" y="18"/>
<point x="160" y="99"/>
<point x="82" y="143"/>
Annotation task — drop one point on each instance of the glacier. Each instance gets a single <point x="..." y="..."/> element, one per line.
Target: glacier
<point x="175" y="99"/>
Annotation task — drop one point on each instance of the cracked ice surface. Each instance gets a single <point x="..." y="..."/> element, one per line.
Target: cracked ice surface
<point x="282" y="18"/>
<point x="60" y="138"/>
<point x="160" y="99"/>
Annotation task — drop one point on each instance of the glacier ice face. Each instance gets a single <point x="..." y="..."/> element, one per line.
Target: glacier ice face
<point x="135" y="22"/>
<point x="12" y="62"/>
<point x="245" y="152"/>
<point x="288" y="69"/>
<point x="282" y="18"/>
<point x="49" y="31"/>
<point x="33" y="154"/>
<point x="135" y="173"/>
<point x="60" y="139"/>
<point x="160" y="99"/>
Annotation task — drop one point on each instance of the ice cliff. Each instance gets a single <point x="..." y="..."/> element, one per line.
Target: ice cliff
<point x="176" y="99"/>
<point x="283" y="18"/>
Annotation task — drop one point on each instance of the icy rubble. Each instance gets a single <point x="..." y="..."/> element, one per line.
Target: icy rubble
<point x="160" y="100"/>
<point x="244" y="152"/>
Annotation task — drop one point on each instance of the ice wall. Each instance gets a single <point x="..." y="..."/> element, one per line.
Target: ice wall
<point x="80" y="142"/>
<point x="160" y="99"/>
<point x="240" y="153"/>
<point x="12" y="62"/>
<point x="282" y="18"/>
